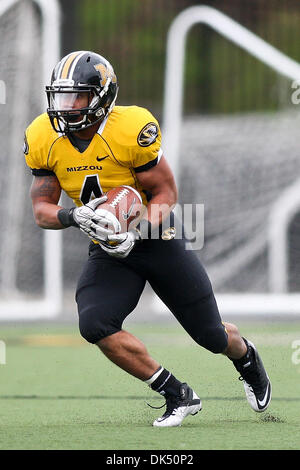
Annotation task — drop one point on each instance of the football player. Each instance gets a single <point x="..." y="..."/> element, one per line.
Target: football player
<point x="85" y="146"/>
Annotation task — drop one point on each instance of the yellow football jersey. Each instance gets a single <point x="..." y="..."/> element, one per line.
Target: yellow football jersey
<point x="127" y="142"/>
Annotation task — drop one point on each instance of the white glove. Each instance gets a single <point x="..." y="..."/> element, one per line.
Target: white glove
<point x="125" y="243"/>
<point x="94" y="225"/>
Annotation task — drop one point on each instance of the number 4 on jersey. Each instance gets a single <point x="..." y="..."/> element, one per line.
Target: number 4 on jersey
<point x="91" y="187"/>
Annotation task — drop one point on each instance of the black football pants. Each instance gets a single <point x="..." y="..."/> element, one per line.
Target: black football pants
<point x="110" y="288"/>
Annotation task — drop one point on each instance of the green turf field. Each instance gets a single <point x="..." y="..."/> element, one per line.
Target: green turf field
<point x="59" y="393"/>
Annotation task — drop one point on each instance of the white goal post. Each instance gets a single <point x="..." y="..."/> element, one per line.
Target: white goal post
<point x="50" y="303"/>
<point x="278" y="301"/>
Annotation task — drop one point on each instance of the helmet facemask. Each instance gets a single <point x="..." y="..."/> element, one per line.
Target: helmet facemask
<point x="72" y="109"/>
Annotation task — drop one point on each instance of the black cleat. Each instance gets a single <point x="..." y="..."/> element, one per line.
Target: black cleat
<point x="257" y="384"/>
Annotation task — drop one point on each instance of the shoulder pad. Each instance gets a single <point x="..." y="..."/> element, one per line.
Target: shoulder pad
<point x="39" y="134"/>
<point x="135" y="126"/>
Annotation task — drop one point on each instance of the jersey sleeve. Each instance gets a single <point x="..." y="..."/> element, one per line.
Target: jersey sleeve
<point x="36" y="148"/>
<point x="148" y="151"/>
<point x="143" y="140"/>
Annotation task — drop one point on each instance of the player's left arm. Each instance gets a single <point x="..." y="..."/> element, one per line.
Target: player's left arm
<point x="160" y="182"/>
<point x="46" y="190"/>
<point x="45" y="194"/>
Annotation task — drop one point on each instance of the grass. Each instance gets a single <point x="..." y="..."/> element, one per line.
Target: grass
<point x="57" y="392"/>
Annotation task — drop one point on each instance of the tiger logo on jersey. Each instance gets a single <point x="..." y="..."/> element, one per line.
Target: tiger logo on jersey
<point x="148" y="135"/>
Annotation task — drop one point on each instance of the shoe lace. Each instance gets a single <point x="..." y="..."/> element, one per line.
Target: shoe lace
<point x="156" y="407"/>
<point x="171" y="404"/>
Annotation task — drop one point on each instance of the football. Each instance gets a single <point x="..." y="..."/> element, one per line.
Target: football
<point x="125" y="207"/>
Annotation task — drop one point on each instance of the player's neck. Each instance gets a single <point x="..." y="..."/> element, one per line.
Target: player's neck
<point x="87" y="134"/>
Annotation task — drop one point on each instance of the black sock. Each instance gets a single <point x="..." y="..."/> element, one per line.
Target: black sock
<point x="164" y="383"/>
<point x="244" y="360"/>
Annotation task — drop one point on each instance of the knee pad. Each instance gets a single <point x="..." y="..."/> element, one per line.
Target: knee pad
<point x="215" y="339"/>
<point x="93" y="327"/>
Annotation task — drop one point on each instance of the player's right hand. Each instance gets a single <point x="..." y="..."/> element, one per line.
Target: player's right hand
<point x="91" y="223"/>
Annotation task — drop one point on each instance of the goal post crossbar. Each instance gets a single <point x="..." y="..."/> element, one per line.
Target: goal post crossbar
<point x="279" y="301"/>
<point x="51" y="302"/>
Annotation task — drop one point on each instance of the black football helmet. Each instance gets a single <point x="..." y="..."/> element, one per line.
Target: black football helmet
<point x="83" y="91"/>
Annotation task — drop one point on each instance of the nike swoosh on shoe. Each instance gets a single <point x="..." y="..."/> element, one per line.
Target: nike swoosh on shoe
<point x="266" y="399"/>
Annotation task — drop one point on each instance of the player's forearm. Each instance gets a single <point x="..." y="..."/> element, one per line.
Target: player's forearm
<point x="45" y="193"/>
<point x="160" y="182"/>
<point x="160" y="206"/>
<point x="45" y="215"/>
